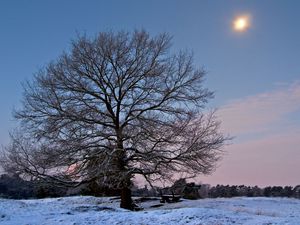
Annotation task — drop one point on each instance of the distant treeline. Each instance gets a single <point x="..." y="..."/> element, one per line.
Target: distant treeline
<point x="12" y="186"/>
<point x="16" y="188"/>
<point x="196" y="191"/>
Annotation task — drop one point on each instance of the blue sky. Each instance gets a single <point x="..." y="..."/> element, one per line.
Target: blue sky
<point x="255" y="74"/>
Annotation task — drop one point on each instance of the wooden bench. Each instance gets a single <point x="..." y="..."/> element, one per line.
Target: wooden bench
<point x="170" y="198"/>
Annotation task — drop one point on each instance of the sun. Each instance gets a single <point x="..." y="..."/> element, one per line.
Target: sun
<point x="241" y="23"/>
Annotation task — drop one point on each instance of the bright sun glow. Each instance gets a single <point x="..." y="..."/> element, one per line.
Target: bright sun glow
<point x="241" y="23"/>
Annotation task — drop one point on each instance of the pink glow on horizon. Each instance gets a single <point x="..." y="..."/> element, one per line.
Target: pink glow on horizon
<point x="272" y="160"/>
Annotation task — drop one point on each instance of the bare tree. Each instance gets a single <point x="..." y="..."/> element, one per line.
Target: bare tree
<point x="116" y="106"/>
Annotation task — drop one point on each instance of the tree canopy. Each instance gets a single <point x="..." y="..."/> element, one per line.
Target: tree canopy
<point x="113" y="107"/>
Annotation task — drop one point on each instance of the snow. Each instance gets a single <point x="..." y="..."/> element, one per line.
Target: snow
<point x="91" y="210"/>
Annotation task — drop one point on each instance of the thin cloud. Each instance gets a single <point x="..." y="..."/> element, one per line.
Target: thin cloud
<point x="259" y="113"/>
<point x="269" y="152"/>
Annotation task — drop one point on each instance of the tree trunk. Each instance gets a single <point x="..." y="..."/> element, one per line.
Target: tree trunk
<point x="126" y="200"/>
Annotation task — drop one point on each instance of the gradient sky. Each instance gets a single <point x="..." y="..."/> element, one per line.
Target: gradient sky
<point x="255" y="74"/>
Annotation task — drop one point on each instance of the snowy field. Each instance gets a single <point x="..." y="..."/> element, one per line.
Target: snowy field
<point x="91" y="210"/>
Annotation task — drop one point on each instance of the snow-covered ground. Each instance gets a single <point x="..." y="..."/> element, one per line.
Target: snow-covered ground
<point x="91" y="210"/>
